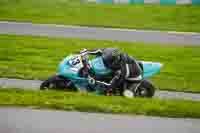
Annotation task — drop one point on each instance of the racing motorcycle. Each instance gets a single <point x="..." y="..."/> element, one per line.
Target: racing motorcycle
<point x="79" y="72"/>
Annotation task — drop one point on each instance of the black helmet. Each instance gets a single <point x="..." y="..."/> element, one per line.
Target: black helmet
<point x="112" y="57"/>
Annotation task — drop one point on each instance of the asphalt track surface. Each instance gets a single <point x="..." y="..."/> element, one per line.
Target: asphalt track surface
<point x="18" y="120"/>
<point x="52" y="30"/>
<point x="35" y="84"/>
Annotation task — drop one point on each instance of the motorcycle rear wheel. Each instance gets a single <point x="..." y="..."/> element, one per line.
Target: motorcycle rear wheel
<point x="145" y="89"/>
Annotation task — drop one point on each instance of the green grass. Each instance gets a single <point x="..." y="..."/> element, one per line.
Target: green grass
<point x="29" y="57"/>
<point x="72" y="12"/>
<point x="91" y="103"/>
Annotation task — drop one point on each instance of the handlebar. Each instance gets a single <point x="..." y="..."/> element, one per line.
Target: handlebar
<point x="103" y="83"/>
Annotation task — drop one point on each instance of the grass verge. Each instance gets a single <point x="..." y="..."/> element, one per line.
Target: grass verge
<point x="91" y="103"/>
<point x="28" y="57"/>
<point x="73" y="12"/>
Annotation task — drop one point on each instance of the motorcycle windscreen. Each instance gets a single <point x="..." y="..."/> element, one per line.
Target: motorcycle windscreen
<point x="150" y="68"/>
<point x="98" y="66"/>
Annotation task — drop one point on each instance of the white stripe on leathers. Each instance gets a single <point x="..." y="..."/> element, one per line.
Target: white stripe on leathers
<point x="127" y="71"/>
<point x="135" y="79"/>
<point x="128" y="74"/>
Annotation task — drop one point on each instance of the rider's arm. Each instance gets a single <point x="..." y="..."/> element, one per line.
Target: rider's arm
<point x="119" y="76"/>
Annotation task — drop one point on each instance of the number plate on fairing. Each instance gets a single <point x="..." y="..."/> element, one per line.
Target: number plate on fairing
<point x="76" y="62"/>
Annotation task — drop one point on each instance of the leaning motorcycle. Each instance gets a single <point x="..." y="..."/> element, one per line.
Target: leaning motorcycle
<point x="78" y="72"/>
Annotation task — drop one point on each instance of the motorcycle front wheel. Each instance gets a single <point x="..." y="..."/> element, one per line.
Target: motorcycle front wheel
<point x="56" y="83"/>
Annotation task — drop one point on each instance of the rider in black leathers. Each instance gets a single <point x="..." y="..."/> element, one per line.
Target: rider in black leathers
<point x="124" y="66"/>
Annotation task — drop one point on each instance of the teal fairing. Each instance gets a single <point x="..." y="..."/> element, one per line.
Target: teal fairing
<point x="150" y="68"/>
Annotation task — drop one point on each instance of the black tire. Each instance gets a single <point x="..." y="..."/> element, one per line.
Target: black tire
<point x="147" y="87"/>
<point x="56" y="83"/>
